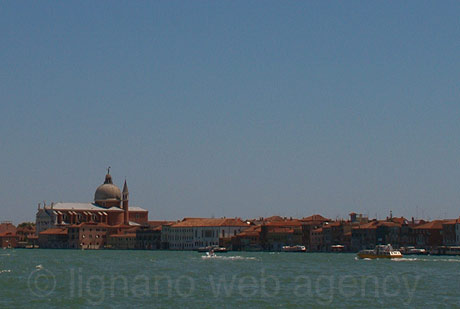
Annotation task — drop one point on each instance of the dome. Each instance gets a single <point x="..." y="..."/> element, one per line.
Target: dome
<point x="107" y="191"/>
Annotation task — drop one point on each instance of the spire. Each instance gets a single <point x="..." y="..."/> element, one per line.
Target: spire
<point x="125" y="188"/>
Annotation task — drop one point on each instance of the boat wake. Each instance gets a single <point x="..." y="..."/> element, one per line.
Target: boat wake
<point x="5" y="271"/>
<point x="365" y="259"/>
<point x="426" y="260"/>
<point x="228" y="258"/>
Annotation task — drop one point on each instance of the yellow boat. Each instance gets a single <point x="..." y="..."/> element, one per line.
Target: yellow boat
<point x="380" y="252"/>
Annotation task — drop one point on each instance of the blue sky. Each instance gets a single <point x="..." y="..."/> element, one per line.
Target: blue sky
<point x="232" y="108"/>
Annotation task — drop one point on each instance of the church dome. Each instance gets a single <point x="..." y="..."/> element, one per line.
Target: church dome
<point x="107" y="191"/>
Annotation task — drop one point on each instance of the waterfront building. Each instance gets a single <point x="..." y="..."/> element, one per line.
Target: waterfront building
<point x="88" y="235"/>
<point x="148" y="236"/>
<point x="248" y="240"/>
<point x="451" y="232"/>
<point x="429" y="235"/>
<point x="8" y="240"/>
<point x="26" y="234"/>
<point x="316" y="240"/>
<point x="125" y="239"/>
<point x="110" y="207"/>
<point x="275" y="235"/>
<point x="192" y="233"/>
<point x="7" y="226"/>
<point x="363" y="236"/>
<point x="308" y="225"/>
<point x="56" y="238"/>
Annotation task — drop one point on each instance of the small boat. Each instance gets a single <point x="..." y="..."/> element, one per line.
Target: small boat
<point x="337" y="248"/>
<point x="380" y="252"/>
<point x="220" y="249"/>
<point x="294" y="249"/>
<point x="413" y="251"/>
<point x="209" y="255"/>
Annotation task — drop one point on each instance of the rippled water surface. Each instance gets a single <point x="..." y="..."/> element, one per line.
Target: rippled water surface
<point x="117" y="279"/>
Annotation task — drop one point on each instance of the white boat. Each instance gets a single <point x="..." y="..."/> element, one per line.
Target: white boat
<point x="413" y="250"/>
<point x="294" y="249"/>
<point x="209" y="255"/>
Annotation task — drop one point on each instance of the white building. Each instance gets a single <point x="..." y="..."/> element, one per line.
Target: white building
<point x="193" y="233"/>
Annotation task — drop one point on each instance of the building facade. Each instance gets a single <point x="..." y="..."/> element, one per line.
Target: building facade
<point x="193" y="233"/>
<point x="110" y="207"/>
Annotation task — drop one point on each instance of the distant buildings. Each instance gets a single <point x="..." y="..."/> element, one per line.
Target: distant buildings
<point x="192" y="233"/>
<point x="111" y="223"/>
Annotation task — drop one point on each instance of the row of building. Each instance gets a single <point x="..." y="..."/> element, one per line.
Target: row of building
<point x="111" y="222"/>
<point x="316" y="233"/>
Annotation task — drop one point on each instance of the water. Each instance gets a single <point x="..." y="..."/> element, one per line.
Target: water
<point x="119" y="279"/>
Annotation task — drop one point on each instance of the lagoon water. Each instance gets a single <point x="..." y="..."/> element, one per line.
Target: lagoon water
<point x="117" y="279"/>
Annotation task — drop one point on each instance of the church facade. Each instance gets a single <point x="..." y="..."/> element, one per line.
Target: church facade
<point x="110" y="208"/>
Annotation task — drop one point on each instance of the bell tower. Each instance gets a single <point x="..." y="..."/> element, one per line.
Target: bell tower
<point x="125" y="199"/>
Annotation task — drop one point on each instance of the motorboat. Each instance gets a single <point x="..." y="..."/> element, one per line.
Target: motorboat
<point x="380" y="252"/>
<point x="413" y="250"/>
<point x="294" y="249"/>
<point x="209" y="255"/>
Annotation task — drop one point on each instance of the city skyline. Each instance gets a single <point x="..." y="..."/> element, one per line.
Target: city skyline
<point x="232" y="109"/>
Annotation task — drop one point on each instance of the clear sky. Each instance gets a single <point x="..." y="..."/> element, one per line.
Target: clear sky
<point x="232" y="108"/>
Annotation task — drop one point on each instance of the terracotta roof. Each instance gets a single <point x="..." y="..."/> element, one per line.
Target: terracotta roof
<point x="153" y="224"/>
<point x="451" y="221"/>
<point x="253" y="230"/>
<point x="335" y="223"/>
<point x="401" y="220"/>
<point x="203" y="222"/>
<point x="7" y="234"/>
<point x="433" y="225"/>
<point x="388" y="224"/>
<point x="294" y="222"/>
<point x="316" y="218"/>
<point x="320" y="230"/>
<point x="54" y="232"/>
<point x="273" y="219"/>
<point x="367" y="226"/>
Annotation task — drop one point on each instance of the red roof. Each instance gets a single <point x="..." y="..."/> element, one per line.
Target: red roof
<point x="401" y="220"/>
<point x="273" y="219"/>
<point x="367" y="226"/>
<point x="208" y="222"/>
<point x="433" y="225"/>
<point x="254" y="230"/>
<point x="153" y="224"/>
<point x="56" y="231"/>
<point x="7" y="234"/>
<point x="388" y="224"/>
<point x="285" y="223"/>
<point x="316" y="218"/>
